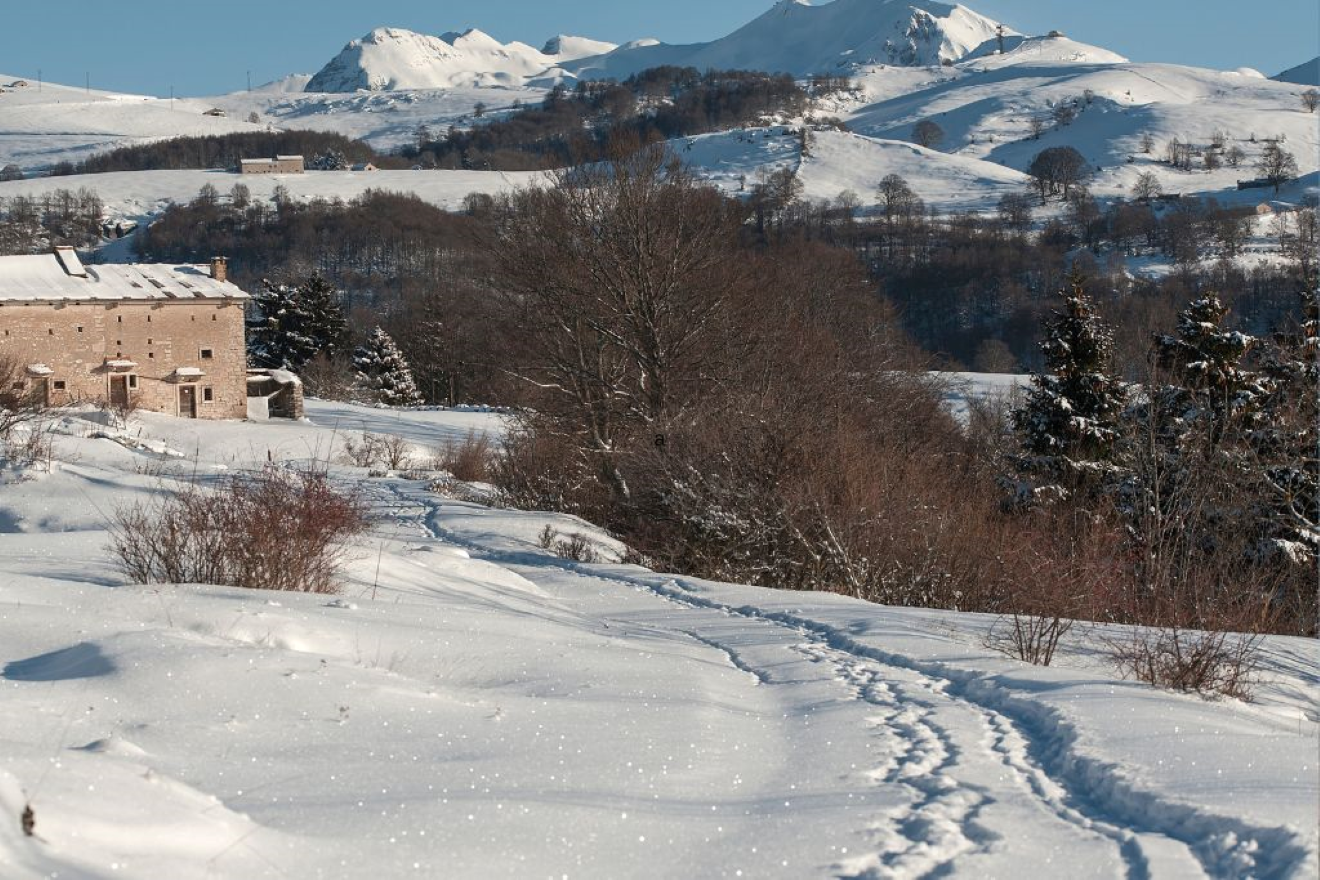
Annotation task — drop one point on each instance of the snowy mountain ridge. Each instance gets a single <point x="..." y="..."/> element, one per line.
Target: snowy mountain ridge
<point x="395" y="59"/>
<point x="800" y="38"/>
<point x="792" y="37"/>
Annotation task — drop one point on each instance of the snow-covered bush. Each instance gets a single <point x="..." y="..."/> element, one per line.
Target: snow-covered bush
<point x="273" y="531"/>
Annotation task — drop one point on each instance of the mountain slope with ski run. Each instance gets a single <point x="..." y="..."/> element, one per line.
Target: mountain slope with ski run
<point x="472" y="705"/>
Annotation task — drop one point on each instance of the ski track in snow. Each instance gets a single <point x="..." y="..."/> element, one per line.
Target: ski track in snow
<point x="1024" y="740"/>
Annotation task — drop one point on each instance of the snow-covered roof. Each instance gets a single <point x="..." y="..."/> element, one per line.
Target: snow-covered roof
<point x="120" y="364"/>
<point x="188" y="372"/>
<point x="45" y="278"/>
<point x="39" y="370"/>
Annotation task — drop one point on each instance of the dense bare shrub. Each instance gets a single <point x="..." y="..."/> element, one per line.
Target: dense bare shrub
<point x="468" y="459"/>
<point x="1212" y="664"/>
<point x="1031" y="638"/>
<point x="273" y="531"/>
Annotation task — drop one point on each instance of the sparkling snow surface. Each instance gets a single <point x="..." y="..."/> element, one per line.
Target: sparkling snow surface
<point x="472" y="706"/>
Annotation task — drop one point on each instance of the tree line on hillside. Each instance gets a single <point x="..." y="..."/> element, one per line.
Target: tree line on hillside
<point x="225" y="151"/>
<point x="973" y="287"/>
<point x="571" y="126"/>
<point x="396" y="261"/>
<point x="35" y="224"/>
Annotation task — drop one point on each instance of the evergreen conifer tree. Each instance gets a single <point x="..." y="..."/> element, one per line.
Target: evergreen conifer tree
<point x="1069" y="425"/>
<point x="1206" y="361"/>
<point x="292" y="325"/>
<point x="383" y="373"/>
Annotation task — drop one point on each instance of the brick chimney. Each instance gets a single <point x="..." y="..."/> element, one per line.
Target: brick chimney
<point x="220" y="268"/>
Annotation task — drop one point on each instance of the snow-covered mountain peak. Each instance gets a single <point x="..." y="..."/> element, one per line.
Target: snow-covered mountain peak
<point x="564" y="47"/>
<point x="802" y="38"/>
<point x="395" y="58"/>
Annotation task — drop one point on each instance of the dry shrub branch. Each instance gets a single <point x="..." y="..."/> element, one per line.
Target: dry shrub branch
<point x="272" y="531"/>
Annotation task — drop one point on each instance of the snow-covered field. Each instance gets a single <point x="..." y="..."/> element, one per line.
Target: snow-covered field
<point x="473" y="706"/>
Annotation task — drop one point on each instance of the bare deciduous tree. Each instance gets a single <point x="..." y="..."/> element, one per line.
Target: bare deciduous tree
<point x="928" y="134"/>
<point x="618" y="294"/>
<point x="1277" y="165"/>
<point x="1146" y="187"/>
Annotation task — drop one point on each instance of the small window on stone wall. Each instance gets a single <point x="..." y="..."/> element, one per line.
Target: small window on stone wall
<point x="208" y="354"/>
<point x="208" y="395"/>
<point x="133" y="382"/>
<point x="59" y="384"/>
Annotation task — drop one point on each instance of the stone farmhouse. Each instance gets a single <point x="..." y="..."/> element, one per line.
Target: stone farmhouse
<point x="164" y="338"/>
<point x="278" y="165"/>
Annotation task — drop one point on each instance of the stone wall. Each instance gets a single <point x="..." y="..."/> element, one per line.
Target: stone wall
<point x="77" y="340"/>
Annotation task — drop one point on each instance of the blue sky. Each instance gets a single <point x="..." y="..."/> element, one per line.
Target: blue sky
<point x="148" y="46"/>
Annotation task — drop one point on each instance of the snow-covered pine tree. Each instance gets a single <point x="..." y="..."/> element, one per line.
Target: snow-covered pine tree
<point x="1287" y="443"/>
<point x="330" y="160"/>
<point x="1069" y="424"/>
<point x="1205" y="359"/>
<point x="383" y="372"/>
<point x="292" y="325"/>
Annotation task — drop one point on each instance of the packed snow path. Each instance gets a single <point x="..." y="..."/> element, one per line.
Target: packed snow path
<point x="964" y="779"/>
<point x="474" y="706"/>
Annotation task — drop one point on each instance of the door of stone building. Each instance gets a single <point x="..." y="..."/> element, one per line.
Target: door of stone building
<point x="41" y="391"/>
<point x="119" y="391"/>
<point x="187" y="402"/>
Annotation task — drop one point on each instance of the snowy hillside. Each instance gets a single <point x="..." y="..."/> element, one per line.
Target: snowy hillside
<point x="47" y="123"/>
<point x="393" y="58"/>
<point x="1039" y="50"/>
<point x="799" y="38"/>
<point x="986" y="108"/>
<point x="385" y="119"/>
<point x="473" y="705"/>
<point x="839" y="162"/>
<point x="1307" y="73"/>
